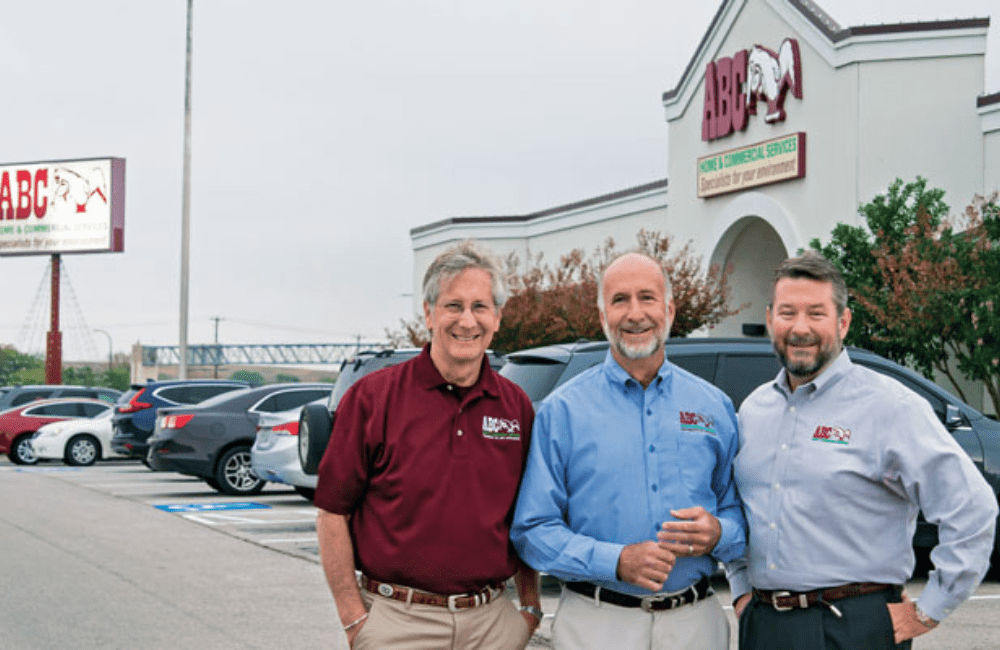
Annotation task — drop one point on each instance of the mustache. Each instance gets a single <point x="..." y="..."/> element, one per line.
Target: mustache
<point x="797" y="340"/>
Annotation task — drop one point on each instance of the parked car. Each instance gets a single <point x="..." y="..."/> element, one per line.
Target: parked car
<point x="135" y="411"/>
<point x="275" y="453"/>
<point x="76" y="442"/>
<point x="19" y="424"/>
<point x="738" y="366"/>
<point x="316" y="420"/>
<point x="12" y="396"/>
<point x="212" y="440"/>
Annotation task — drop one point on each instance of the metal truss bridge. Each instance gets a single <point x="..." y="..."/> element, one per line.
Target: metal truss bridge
<point x="256" y="354"/>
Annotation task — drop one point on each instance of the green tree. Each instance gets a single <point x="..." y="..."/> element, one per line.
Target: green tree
<point x="924" y="285"/>
<point x="248" y="375"/>
<point x="17" y="368"/>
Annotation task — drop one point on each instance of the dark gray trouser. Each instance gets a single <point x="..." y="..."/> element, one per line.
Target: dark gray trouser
<point x="865" y="625"/>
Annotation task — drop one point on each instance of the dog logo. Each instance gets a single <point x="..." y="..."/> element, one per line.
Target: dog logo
<point x="771" y="76"/>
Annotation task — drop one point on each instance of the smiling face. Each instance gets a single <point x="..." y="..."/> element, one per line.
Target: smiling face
<point x="462" y="322"/>
<point x="636" y="314"/>
<point x="806" y="330"/>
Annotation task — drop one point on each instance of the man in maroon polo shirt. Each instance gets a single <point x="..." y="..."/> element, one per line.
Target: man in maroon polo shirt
<point x="417" y="487"/>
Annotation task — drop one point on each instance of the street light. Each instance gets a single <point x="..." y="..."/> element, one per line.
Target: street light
<point x="110" y="347"/>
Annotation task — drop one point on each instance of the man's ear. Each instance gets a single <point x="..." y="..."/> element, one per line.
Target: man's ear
<point x="427" y="316"/>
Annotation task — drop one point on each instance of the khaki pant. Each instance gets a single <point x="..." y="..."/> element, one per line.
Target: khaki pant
<point x="396" y="625"/>
<point x="583" y="624"/>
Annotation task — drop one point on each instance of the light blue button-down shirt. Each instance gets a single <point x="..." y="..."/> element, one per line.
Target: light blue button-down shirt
<point x="609" y="460"/>
<point x="832" y="477"/>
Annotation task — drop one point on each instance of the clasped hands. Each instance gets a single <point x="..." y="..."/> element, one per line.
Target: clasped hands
<point x="648" y="564"/>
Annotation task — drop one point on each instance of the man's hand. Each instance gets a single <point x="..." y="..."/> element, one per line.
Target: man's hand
<point x="741" y="604"/>
<point x="532" y="622"/>
<point x="905" y="624"/>
<point x="646" y="565"/>
<point x="353" y="632"/>
<point x="695" y="533"/>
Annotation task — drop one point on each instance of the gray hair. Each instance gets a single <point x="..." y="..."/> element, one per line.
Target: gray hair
<point x="600" y="276"/>
<point x="813" y="266"/>
<point x="464" y="255"/>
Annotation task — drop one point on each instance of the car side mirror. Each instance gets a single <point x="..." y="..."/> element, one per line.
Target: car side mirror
<point x="953" y="417"/>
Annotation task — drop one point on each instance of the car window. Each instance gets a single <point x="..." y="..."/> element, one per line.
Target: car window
<point x="76" y="392"/>
<point x="30" y="396"/>
<point x="535" y="375"/>
<point x="61" y="409"/>
<point x="702" y="365"/>
<point x="90" y="410"/>
<point x="177" y="394"/>
<point x="288" y="399"/>
<point x="199" y="394"/>
<point x="740" y="374"/>
<point x="107" y="396"/>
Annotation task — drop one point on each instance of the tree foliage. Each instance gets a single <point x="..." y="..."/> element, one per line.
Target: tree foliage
<point x="17" y="368"/>
<point x="925" y="286"/>
<point x="558" y="303"/>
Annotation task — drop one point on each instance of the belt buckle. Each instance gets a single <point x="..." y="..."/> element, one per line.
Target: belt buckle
<point x="775" y="595"/>
<point x="646" y="604"/>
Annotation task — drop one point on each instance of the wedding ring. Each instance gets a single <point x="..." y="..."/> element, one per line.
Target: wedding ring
<point x="691" y="549"/>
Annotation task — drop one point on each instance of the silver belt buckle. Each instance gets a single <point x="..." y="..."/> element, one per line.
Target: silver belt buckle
<point x="646" y="604"/>
<point x="774" y="601"/>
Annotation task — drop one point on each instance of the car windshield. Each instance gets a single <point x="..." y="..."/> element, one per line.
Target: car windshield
<point x="535" y="375"/>
<point x="220" y="398"/>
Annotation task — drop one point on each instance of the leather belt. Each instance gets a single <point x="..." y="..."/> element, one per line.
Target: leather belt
<point x="784" y="601"/>
<point x="655" y="603"/>
<point x="408" y="595"/>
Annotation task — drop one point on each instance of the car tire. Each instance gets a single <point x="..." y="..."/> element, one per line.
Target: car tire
<point x="234" y="474"/>
<point x="82" y="450"/>
<point x="306" y="492"/>
<point x="212" y="483"/>
<point x="315" y="425"/>
<point x="21" y="452"/>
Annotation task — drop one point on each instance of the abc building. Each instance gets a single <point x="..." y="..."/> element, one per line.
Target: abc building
<point x="781" y="125"/>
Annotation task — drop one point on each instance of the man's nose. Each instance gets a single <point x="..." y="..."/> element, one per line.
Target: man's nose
<point x="467" y="319"/>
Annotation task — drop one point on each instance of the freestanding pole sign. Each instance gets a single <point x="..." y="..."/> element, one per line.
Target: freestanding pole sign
<point x="69" y="206"/>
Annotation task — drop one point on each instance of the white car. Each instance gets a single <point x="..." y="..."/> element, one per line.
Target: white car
<point x="76" y="442"/>
<point x="275" y="453"/>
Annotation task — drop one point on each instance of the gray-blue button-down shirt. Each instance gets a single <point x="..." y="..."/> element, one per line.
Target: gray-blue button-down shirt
<point x="833" y="476"/>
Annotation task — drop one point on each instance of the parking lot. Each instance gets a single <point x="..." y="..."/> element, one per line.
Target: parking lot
<point x="118" y="556"/>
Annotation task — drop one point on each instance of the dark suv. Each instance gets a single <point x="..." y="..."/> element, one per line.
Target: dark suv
<point x="135" y="411"/>
<point x="12" y="396"/>
<point x="316" y="420"/>
<point x="738" y="366"/>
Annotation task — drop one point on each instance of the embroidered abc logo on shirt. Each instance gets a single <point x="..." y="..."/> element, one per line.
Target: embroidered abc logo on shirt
<point x="501" y="428"/>
<point x="836" y="435"/>
<point x="691" y="421"/>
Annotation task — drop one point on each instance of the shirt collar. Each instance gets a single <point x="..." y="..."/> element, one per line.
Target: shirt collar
<point x="619" y="376"/>
<point x="840" y="367"/>
<point x="430" y="378"/>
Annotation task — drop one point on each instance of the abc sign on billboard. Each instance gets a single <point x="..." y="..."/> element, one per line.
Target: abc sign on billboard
<point x="72" y="206"/>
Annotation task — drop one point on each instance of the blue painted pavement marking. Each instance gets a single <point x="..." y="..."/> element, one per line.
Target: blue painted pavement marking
<point x="212" y="507"/>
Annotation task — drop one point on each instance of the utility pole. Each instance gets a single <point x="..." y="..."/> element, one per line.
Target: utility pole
<point x="186" y="205"/>
<point x="215" y="353"/>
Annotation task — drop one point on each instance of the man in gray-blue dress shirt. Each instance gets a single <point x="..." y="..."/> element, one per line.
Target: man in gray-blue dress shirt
<point x="835" y="462"/>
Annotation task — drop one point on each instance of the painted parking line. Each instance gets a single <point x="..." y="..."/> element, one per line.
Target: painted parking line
<point x="289" y="540"/>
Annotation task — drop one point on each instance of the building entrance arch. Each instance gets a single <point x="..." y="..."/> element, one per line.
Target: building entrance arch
<point x="751" y="248"/>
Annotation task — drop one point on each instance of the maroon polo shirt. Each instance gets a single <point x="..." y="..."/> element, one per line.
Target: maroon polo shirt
<point x="429" y="473"/>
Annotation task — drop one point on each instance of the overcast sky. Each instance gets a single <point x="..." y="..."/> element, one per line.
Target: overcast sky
<point x="323" y="131"/>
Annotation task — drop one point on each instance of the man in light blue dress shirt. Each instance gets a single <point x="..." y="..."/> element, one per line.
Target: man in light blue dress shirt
<point x="835" y="462"/>
<point x="628" y="495"/>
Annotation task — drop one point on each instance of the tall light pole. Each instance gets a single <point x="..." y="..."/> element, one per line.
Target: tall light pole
<point x="110" y="349"/>
<point x="186" y="204"/>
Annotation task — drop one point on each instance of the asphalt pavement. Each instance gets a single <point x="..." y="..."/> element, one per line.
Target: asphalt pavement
<point x="117" y="556"/>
